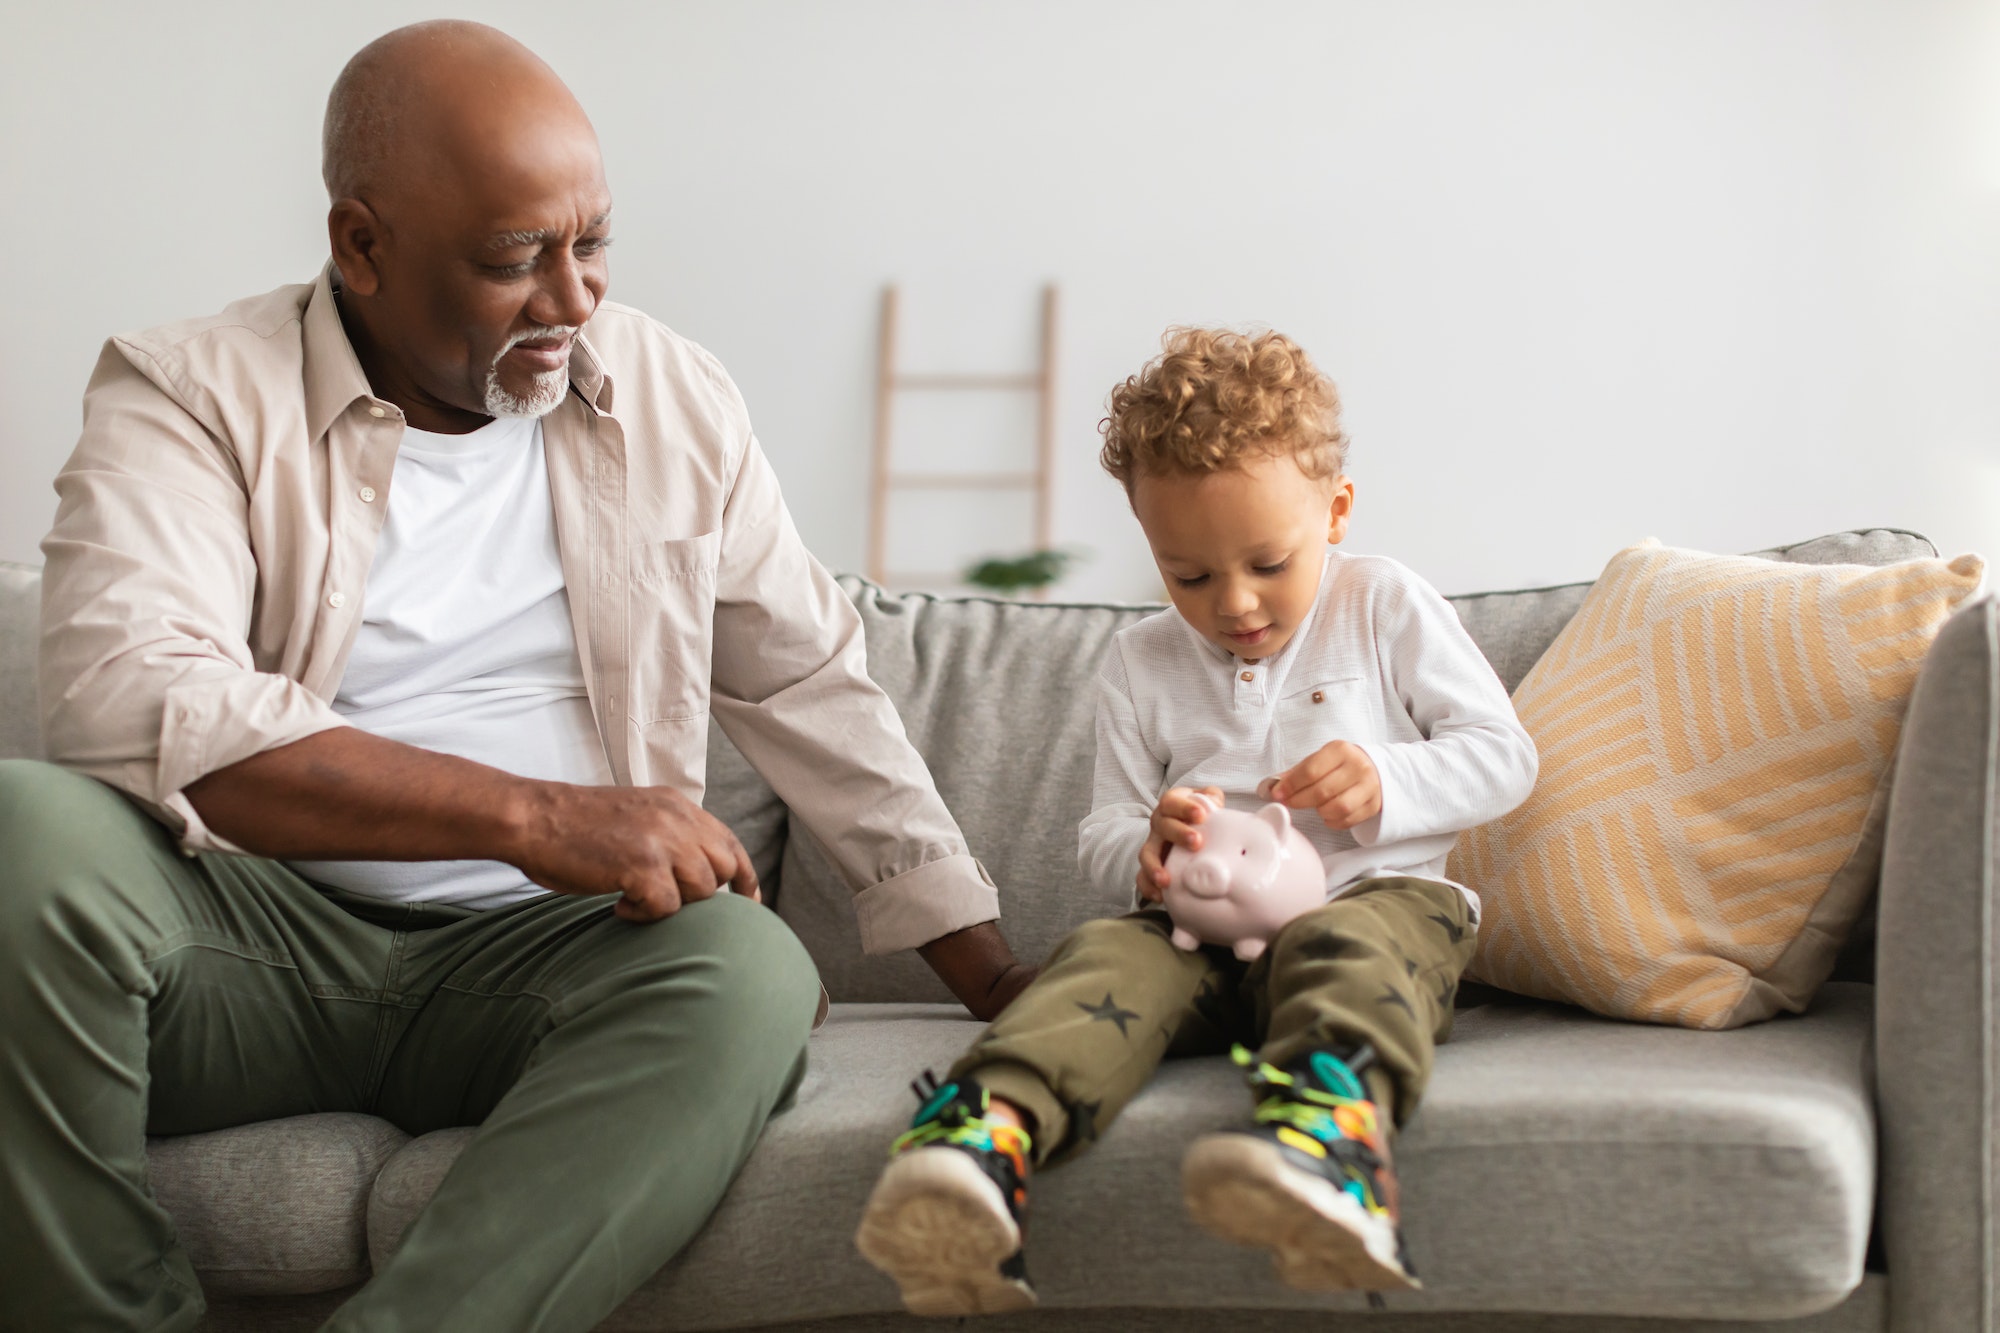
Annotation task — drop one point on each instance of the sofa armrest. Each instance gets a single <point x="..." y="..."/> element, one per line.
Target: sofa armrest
<point x="1936" y="1055"/>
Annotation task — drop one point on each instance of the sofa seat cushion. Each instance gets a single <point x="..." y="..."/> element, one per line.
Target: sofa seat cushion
<point x="274" y="1207"/>
<point x="1561" y="1163"/>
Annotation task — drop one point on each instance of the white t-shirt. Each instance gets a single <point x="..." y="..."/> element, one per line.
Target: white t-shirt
<point x="466" y="645"/>
<point x="1381" y="661"/>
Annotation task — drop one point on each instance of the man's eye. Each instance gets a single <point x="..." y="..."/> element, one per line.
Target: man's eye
<point x="1194" y="582"/>
<point x="596" y="245"/>
<point x="1278" y="568"/>
<point x="520" y="270"/>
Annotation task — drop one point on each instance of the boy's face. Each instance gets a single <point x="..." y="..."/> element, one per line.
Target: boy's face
<point x="1241" y="549"/>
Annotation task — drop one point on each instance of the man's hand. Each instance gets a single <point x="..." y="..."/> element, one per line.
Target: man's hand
<point x="654" y="848"/>
<point x="1175" y="823"/>
<point x="979" y="967"/>
<point x="1338" y="780"/>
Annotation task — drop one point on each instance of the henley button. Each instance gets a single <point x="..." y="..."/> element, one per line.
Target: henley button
<point x="1319" y="696"/>
<point x="368" y="495"/>
<point x="336" y="600"/>
<point x="1249" y="675"/>
<point x="378" y="412"/>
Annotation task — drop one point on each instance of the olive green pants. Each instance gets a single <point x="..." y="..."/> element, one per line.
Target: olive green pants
<point x="1380" y="964"/>
<point x="619" y="1074"/>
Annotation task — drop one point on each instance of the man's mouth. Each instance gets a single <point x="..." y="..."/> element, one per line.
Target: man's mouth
<point x="541" y="355"/>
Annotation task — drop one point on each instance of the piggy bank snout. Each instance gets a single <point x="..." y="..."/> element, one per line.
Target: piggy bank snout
<point x="1205" y="876"/>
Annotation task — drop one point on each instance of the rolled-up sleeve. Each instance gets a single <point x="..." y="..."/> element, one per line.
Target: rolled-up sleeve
<point x="146" y="676"/>
<point x="790" y="688"/>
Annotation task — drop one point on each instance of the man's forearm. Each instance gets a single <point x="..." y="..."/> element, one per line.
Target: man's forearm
<point x="979" y="967"/>
<point x="346" y="794"/>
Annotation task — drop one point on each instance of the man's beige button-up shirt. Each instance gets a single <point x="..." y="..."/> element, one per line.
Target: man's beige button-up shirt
<point x="205" y="575"/>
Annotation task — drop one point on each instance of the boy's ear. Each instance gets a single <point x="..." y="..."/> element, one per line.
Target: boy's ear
<point x="1340" y="508"/>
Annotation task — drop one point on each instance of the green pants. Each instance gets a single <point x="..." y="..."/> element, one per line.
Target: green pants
<point x="619" y="1074"/>
<point x="1380" y="964"/>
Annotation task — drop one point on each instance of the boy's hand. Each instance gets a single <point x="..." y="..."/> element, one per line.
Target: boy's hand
<point x="1338" y="780"/>
<point x="1175" y="820"/>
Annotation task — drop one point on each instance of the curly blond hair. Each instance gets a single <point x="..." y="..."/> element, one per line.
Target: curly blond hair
<point x="1215" y="398"/>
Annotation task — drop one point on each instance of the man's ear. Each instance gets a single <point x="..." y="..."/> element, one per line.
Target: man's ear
<point x="355" y="234"/>
<point x="1340" y="508"/>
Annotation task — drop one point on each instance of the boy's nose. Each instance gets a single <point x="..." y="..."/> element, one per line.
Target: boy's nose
<point x="1236" y="601"/>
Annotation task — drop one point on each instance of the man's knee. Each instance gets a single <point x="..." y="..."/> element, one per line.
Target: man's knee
<point x="758" y="962"/>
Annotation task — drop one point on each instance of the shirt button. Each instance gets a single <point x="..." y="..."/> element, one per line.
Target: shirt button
<point x="378" y="412"/>
<point x="1249" y="675"/>
<point x="368" y="495"/>
<point x="336" y="600"/>
<point x="1319" y="696"/>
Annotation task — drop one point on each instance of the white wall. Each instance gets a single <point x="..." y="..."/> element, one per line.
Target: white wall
<point x="1727" y="273"/>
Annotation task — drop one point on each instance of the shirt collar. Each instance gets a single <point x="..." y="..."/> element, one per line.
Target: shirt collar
<point x="334" y="380"/>
<point x="333" y="375"/>
<point x="586" y="373"/>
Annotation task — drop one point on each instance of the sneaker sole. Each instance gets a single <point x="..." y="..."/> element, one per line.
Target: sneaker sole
<point x="1321" y="1239"/>
<point x="939" y="1226"/>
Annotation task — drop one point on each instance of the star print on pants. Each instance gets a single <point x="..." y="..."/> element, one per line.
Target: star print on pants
<point x="1109" y="1012"/>
<point x="1451" y="928"/>
<point x="1390" y="995"/>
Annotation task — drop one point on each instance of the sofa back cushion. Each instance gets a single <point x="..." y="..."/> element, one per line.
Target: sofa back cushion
<point x="999" y="698"/>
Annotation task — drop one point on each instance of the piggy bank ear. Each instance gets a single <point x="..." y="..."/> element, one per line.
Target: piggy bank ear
<point x="1279" y="819"/>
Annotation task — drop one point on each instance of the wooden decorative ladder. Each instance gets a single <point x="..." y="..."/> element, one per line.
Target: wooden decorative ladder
<point x="886" y="480"/>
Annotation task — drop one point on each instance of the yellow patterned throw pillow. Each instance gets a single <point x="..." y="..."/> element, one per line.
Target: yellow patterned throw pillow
<point x="1715" y="733"/>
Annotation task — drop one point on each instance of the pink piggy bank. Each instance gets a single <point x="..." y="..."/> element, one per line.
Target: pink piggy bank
<point x="1253" y="874"/>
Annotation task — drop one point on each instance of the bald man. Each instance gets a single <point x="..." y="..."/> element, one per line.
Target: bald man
<point x="384" y="620"/>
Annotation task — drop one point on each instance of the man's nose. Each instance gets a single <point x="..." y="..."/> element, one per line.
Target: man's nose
<point x="567" y="298"/>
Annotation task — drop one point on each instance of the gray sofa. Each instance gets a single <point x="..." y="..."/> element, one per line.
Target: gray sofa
<point x="1829" y="1171"/>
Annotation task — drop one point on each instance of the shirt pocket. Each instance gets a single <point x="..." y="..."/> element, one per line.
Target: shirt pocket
<point x="1332" y="708"/>
<point x="672" y="619"/>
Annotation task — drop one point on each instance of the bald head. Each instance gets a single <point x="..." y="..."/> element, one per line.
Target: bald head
<point x="415" y="100"/>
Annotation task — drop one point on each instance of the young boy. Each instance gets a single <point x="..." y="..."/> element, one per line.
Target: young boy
<point x="1342" y="686"/>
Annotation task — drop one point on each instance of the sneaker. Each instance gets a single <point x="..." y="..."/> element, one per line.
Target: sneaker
<point x="945" y="1219"/>
<point x="1310" y="1178"/>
